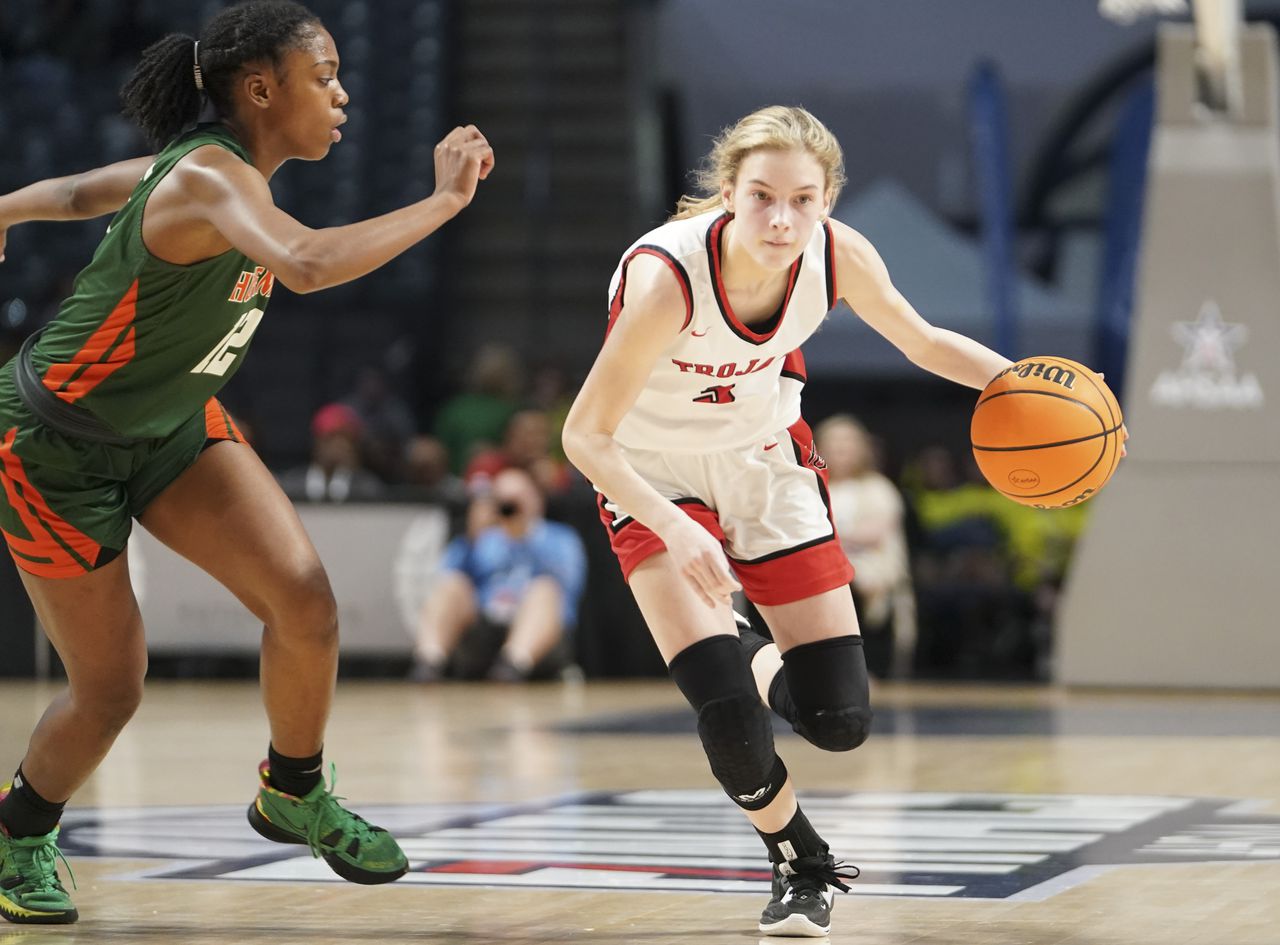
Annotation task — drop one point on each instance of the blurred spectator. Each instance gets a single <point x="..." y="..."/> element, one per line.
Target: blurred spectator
<point x="335" y="473"/>
<point x="479" y="416"/>
<point x="1040" y="542"/>
<point x="514" y="580"/>
<point x="426" y="465"/>
<point x="550" y="391"/>
<point x="959" y="519"/>
<point x="388" y="421"/>
<point x="1012" y="557"/>
<point x="973" y="619"/>
<point x="868" y="513"/>
<point x="425" y="475"/>
<point x="526" y="444"/>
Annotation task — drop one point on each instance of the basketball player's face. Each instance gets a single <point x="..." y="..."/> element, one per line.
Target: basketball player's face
<point x="778" y="199"/>
<point x="309" y="98"/>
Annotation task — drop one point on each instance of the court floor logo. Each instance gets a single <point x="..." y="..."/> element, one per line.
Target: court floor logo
<point x="973" y="846"/>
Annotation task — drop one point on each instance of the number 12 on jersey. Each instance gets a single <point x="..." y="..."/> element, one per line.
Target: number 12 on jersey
<point x="227" y="350"/>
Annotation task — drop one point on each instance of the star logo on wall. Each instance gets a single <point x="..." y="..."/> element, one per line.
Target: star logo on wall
<point x="1209" y="343"/>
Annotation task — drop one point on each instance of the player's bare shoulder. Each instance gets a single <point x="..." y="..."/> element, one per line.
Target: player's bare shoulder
<point x="652" y="293"/>
<point x="209" y="173"/>
<point x="187" y="211"/>
<point x="859" y="268"/>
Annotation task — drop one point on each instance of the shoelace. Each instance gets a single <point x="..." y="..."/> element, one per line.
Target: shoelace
<point x="333" y="814"/>
<point x="43" y="857"/>
<point x="814" y="872"/>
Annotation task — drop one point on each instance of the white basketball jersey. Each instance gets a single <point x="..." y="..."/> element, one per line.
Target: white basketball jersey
<point x="721" y="384"/>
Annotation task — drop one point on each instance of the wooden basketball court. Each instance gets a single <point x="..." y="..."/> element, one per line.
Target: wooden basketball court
<point x="586" y="814"/>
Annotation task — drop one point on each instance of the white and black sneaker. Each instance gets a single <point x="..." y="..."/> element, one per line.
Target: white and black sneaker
<point x="802" y="896"/>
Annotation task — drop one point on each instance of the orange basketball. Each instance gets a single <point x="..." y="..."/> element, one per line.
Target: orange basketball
<point x="1047" y="433"/>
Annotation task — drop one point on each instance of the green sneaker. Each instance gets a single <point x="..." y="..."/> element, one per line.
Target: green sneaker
<point x="355" y="849"/>
<point x="30" y="891"/>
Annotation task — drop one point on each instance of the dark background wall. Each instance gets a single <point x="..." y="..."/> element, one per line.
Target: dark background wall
<point x="888" y="78"/>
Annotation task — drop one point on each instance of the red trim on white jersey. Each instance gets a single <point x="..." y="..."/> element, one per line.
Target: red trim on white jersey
<point x="615" y="306"/>
<point x="743" y="331"/>
<point x="793" y="367"/>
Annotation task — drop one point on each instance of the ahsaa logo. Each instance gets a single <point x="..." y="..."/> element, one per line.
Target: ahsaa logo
<point x="1207" y="378"/>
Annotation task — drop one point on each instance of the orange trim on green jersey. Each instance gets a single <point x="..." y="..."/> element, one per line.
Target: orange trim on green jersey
<point x="56" y="549"/>
<point x="218" y="424"/>
<point x="101" y="356"/>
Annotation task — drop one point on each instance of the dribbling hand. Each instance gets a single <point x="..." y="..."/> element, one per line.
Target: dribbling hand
<point x="701" y="560"/>
<point x="463" y="159"/>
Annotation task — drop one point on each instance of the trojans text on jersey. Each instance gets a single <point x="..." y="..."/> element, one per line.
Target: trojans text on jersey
<point x="732" y="369"/>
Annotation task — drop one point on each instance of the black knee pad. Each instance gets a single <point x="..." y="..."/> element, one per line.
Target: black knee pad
<point x="828" y="684"/>
<point x="735" y="727"/>
<point x="737" y="735"/>
<point x="835" y="729"/>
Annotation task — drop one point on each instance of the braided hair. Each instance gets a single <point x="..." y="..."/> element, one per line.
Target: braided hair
<point x="164" y="93"/>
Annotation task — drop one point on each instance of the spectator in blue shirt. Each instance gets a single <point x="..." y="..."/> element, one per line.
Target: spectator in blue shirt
<point x="514" y="576"/>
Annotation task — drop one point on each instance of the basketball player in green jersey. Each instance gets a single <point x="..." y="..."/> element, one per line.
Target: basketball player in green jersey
<point x="111" y="415"/>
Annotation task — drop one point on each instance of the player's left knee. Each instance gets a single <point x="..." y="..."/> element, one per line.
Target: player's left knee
<point x="835" y="729"/>
<point x="735" y="727"/>
<point x="306" y="604"/>
<point x="828" y="684"/>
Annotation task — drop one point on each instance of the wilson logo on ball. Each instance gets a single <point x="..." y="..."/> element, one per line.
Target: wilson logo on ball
<point x="1024" y="479"/>
<point x="1053" y="373"/>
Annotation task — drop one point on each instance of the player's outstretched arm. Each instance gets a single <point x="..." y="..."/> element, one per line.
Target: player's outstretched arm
<point x="652" y="316"/>
<point x="235" y="198"/>
<point x="75" y="197"/>
<point x="863" y="281"/>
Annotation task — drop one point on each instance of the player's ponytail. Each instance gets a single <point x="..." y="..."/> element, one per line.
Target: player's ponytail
<point x="161" y="95"/>
<point x="166" y="93"/>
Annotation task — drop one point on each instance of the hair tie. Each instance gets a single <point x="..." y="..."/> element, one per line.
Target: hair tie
<point x="195" y="65"/>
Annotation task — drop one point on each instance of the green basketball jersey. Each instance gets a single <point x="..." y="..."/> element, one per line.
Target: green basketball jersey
<point x="141" y="343"/>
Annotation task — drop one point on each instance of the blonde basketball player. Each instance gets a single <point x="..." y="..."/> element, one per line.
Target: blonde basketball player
<point x="689" y="426"/>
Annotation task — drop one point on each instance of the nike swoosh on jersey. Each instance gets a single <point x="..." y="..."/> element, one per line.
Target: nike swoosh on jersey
<point x="699" y="334"/>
